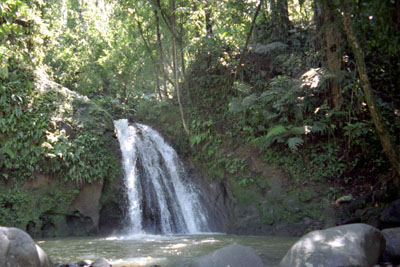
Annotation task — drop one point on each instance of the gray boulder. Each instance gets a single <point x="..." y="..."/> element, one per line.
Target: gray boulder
<point x="392" y="250"/>
<point x="101" y="262"/>
<point x="17" y="249"/>
<point x="346" y="245"/>
<point x="233" y="255"/>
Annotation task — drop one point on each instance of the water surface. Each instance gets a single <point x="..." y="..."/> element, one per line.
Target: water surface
<point x="169" y="250"/>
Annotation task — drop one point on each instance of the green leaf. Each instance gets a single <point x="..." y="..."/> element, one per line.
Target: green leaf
<point x="319" y="127"/>
<point x="276" y="130"/>
<point x="242" y="87"/>
<point x="249" y="100"/>
<point x="4" y="72"/>
<point x="295" y="142"/>
<point x="9" y="152"/>
<point x="235" y="106"/>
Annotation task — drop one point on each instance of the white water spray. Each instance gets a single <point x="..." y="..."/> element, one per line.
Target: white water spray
<point x="162" y="200"/>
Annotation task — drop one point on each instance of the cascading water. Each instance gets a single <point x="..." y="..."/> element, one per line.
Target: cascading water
<point x="162" y="200"/>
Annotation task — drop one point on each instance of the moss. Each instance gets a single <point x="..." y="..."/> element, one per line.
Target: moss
<point x="55" y="225"/>
<point x="307" y="195"/>
<point x="267" y="217"/>
<point x="245" y="194"/>
<point x="33" y="210"/>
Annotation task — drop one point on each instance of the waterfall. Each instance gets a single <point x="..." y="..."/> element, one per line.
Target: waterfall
<point x="162" y="200"/>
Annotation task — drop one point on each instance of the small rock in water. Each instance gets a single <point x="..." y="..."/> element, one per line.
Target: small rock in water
<point x="84" y="263"/>
<point x="101" y="262"/>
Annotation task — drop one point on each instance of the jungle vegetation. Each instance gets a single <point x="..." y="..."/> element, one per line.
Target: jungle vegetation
<point x="312" y="84"/>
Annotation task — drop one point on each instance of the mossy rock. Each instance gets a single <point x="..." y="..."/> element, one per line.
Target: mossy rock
<point x="71" y="144"/>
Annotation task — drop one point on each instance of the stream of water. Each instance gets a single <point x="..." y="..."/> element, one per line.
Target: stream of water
<point x="162" y="200"/>
<point x="165" y="250"/>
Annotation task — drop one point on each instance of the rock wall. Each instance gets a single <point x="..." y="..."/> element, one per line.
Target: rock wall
<point x="214" y="197"/>
<point x="67" y="200"/>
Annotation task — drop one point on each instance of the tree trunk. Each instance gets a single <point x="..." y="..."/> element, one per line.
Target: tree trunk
<point x="182" y="52"/>
<point x="148" y="49"/>
<point x="168" y="21"/>
<point x="333" y="55"/>
<point x="397" y="15"/>
<point x="175" y="66"/>
<point x="384" y="136"/>
<point x="282" y="8"/>
<point x="208" y="19"/>
<point x="318" y="22"/>
<point x="239" y="65"/>
<point x="273" y="8"/>
<point x="280" y="17"/>
<point x="164" y="74"/>
<point x="208" y="29"/>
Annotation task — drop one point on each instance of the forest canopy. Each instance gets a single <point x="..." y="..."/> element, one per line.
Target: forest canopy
<point x="313" y="84"/>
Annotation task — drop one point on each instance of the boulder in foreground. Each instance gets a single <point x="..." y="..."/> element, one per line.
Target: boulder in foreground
<point x="17" y="249"/>
<point x="392" y="250"/>
<point x="346" y="245"/>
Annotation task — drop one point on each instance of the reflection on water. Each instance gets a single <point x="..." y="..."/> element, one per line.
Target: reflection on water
<point x="166" y="250"/>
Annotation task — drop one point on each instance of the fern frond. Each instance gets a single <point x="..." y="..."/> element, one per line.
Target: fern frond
<point x="259" y="141"/>
<point x="319" y="127"/>
<point x="276" y="130"/>
<point x="295" y="142"/>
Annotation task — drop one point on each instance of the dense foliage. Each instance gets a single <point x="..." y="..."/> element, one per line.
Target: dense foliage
<point x="31" y="114"/>
<point x="277" y="75"/>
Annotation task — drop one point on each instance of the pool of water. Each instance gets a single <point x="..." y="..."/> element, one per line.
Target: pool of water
<point x="147" y="250"/>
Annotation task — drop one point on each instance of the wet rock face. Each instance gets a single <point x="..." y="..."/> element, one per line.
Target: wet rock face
<point x="87" y="201"/>
<point x="151" y="217"/>
<point x="17" y="249"/>
<point x="214" y="197"/>
<point x="112" y="218"/>
<point x="346" y="245"/>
